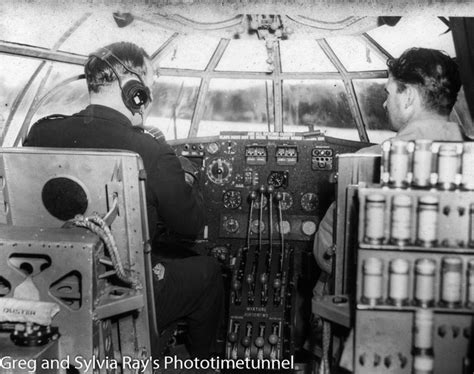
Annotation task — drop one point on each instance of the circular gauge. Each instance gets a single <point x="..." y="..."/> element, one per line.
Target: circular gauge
<point x="231" y="225"/>
<point x="286" y="201"/>
<point x="256" y="203"/>
<point x="219" y="171"/>
<point x="284" y="227"/>
<point x="308" y="228"/>
<point x="232" y="199"/>
<point x="220" y="252"/>
<point x="229" y="147"/>
<point x="276" y="179"/>
<point x="256" y="226"/>
<point x="212" y="148"/>
<point x="309" y="201"/>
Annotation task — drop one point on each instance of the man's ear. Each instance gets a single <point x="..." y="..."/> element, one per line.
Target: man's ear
<point x="410" y="96"/>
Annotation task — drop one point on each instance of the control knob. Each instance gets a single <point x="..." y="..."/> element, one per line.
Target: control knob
<point x="308" y="228"/>
<point x="284" y="227"/>
<point x="273" y="339"/>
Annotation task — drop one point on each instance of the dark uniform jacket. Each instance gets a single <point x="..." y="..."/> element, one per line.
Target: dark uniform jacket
<point x="169" y="198"/>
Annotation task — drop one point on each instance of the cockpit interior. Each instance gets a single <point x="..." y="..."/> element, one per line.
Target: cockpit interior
<point x="271" y="104"/>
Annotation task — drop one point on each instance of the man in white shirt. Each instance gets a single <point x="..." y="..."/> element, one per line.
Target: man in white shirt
<point x="422" y="88"/>
<point x="421" y="91"/>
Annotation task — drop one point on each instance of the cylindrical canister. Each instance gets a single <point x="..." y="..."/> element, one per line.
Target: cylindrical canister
<point x="425" y="282"/>
<point x="471" y="225"/>
<point x="372" y="271"/>
<point x="422" y="163"/>
<point x="427" y="221"/>
<point x="398" y="282"/>
<point x="374" y="219"/>
<point x="399" y="163"/>
<point x="385" y="167"/>
<point x="451" y="278"/>
<point x="401" y="222"/>
<point x="448" y="165"/>
<point x="423" y="360"/>
<point x="468" y="166"/>
<point x="423" y="364"/>
<point x="423" y="332"/>
<point x="470" y="284"/>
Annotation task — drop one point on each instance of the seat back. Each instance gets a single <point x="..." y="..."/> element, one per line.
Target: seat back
<point x="40" y="189"/>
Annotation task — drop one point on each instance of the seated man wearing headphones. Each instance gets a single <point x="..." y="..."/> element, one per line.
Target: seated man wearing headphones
<point x="119" y="78"/>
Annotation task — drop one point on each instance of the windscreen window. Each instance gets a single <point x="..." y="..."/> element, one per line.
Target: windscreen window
<point x="311" y="105"/>
<point x="240" y="105"/>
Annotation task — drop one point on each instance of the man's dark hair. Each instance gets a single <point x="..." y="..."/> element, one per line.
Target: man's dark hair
<point x="99" y="74"/>
<point x="433" y="72"/>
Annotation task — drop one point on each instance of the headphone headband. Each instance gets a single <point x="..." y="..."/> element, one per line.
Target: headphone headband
<point x="135" y="94"/>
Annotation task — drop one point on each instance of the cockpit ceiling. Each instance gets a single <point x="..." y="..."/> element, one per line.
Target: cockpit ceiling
<point x="210" y="11"/>
<point x="327" y="59"/>
<point x="223" y="19"/>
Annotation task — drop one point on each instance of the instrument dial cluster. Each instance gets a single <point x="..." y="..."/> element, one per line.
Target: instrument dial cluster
<point x="286" y="201"/>
<point x="309" y="201"/>
<point x="260" y="201"/>
<point x="278" y="179"/>
<point x="219" y="171"/>
<point x="231" y="225"/>
<point x="257" y="226"/>
<point x="213" y="148"/>
<point x="232" y="199"/>
<point x="241" y="172"/>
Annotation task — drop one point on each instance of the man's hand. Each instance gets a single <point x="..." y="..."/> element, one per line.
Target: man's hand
<point x="191" y="172"/>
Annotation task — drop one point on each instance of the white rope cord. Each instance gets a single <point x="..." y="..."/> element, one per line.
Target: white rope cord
<point x="98" y="226"/>
<point x="110" y="242"/>
<point x="324" y="366"/>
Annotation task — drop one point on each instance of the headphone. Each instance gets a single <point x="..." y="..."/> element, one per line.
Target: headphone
<point x="135" y="94"/>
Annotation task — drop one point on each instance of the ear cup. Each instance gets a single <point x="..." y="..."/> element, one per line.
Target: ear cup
<point x="135" y="95"/>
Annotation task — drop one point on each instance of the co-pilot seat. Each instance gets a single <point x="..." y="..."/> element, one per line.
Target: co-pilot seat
<point x="97" y="293"/>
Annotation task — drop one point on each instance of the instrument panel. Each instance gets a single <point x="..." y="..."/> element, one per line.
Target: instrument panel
<point x="289" y="173"/>
<point x="265" y="190"/>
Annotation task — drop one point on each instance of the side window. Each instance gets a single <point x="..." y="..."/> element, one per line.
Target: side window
<point x="14" y="75"/>
<point x="173" y="106"/>
<point x="371" y="95"/>
<point x="67" y="98"/>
